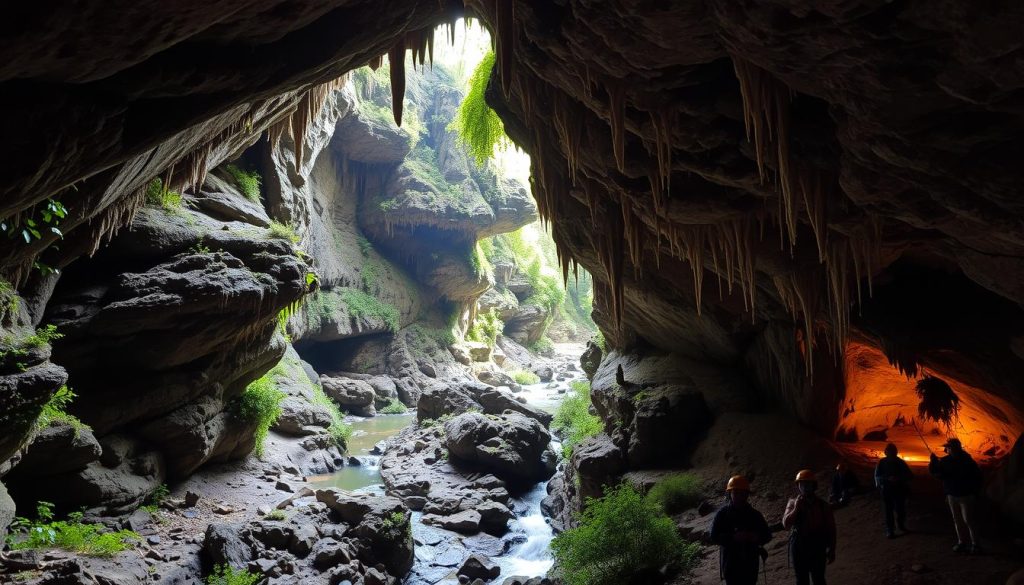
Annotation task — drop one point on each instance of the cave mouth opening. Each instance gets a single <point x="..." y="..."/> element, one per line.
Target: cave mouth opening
<point x="880" y="405"/>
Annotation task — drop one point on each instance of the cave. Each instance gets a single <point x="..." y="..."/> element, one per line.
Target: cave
<point x="232" y="231"/>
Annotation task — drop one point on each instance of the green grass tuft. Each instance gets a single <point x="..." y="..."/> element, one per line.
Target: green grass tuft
<point x="676" y="493"/>
<point x="573" y="420"/>
<point x="524" y="377"/>
<point x="55" y="411"/>
<point x="248" y="183"/>
<point x="282" y="231"/>
<point x="620" y="535"/>
<point x="72" y="534"/>
<point x="228" y="575"/>
<point x="260" y="405"/>
<point x="393" y="407"/>
<point x="277" y="515"/>
<point x="361" y="304"/>
<point x="158" y="195"/>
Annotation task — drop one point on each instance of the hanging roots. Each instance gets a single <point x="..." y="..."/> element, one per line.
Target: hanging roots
<point x="938" y="401"/>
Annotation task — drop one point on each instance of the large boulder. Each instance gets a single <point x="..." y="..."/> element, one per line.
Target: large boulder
<point x="597" y="462"/>
<point x="382" y="521"/>
<point x="58" y="448"/>
<point x="526" y="326"/>
<point x="512" y="446"/>
<point x="353" y="396"/>
<point x="300" y="418"/>
<point x="437" y="400"/>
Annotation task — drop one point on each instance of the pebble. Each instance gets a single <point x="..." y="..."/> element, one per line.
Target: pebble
<point x="153" y="539"/>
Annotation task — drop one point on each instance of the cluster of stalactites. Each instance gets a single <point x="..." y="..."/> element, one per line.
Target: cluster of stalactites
<point x="297" y="122"/>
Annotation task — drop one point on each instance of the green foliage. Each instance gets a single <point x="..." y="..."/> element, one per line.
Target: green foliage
<point x="156" y="498"/>
<point x="282" y="231"/>
<point x="542" y="345"/>
<point x="370" y="274"/>
<point x="364" y="246"/>
<point x="161" y="197"/>
<point x="478" y="260"/>
<point x="260" y="405"/>
<point x="71" y="535"/>
<point x="199" y="248"/>
<point x="361" y="304"/>
<point x="573" y="420"/>
<point x="228" y="575"/>
<point x="479" y="128"/>
<point x="276" y="515"/>
<point x="600" y="341"/>
<point x="32" y="225"/>
<point x="19" y="347"/>
<point x="422" y="162"/>
<point x="547" y="289"/>
<point x="248" y="183"/>
<point x="55" y="411"/>
<point x="440" y="337"/>
<point x="486" y="328"/>
<point x="676" y="493"/>
<point x="393" y="407"/>
<point x="524" y="377"/>
<point x="42" y="336"/>
<point x="9" y="300"/>
<point x="620" y="535"/>
<point x="389" y="205"/>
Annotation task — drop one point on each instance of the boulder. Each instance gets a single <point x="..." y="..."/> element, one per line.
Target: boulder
<point x="497" y="400"/>
<point x="380" y="520"/>
<point x="465" y="522"/>
<point x="479" y="352"/>
<point x="223" y="544"/>
<point x="479" y="567"/>
<point x="353" y="396"/>
<point x="597" y="462"/>
<point x="510" y="445"/>
<point x="526" y="326"/>
<point x="545" y="373"/>
<point x="590" y="360"/>
<point x="300" y="417"/>
<point x="7" y="511"/>
<point x="494" y="517"/>
<point x="437" y="400"/>
<point x="58" y="448"/>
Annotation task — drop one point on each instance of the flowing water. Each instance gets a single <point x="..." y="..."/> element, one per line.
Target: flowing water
<point x="529" y="535"/>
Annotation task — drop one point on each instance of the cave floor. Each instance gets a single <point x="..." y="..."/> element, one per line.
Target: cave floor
<point x="866" y="557"/>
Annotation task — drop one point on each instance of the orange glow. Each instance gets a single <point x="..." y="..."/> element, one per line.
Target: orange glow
<point x="880" y="406"/>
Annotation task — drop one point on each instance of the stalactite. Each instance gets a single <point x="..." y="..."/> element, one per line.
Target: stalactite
<point x="568" y="123"/>
<point x="610" y="254"/>
<point x="633" y="232"/>
<point x="814" y="196"/>
<point x="396" y="58"/>
<point x="616" y="104"/>
<point x="661" y="120"/>
<point x="308" y="108"/>
<point x="505" y="36"/>
<point x="375" y="63"/>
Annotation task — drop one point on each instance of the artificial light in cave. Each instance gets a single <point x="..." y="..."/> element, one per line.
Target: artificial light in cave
<point x="881" y="405"/>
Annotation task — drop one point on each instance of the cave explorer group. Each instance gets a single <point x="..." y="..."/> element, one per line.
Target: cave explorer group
<point x="741" y="531"/>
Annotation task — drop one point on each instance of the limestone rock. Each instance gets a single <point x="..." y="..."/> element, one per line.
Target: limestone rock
<point x="354" y="396"/>
<point x="511" y="445"/>
<point x="479" y="567"/>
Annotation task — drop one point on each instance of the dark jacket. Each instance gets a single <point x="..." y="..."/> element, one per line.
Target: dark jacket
<point x="739" y="556"/>
<point x="960" y="475"/>
<point x="812" y="525"/>
<point x="895" y="468"/>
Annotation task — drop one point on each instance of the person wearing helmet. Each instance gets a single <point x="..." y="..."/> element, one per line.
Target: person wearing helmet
<point x="892" y="477"/>
<point x="740" y="532"/>
<point x="961" y="480"/>
<point x="812" y="536"/>
<point x="844" y="485"/>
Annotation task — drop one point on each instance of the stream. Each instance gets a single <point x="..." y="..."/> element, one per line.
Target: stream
<point x="524" y="551"/>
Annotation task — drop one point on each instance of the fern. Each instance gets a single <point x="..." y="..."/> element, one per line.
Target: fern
<point x="479" y="128"/>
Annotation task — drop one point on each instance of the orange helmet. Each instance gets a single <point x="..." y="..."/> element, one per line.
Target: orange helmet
<point x="738" y="483"/>
<point x="805" y="475"/>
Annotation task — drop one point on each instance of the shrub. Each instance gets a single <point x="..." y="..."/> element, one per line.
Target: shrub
<point x="55" y="410"/>
<point x="676" y="493"/>
<point x="600" y="341"/>
<point x="364" y="246"/>
<point x="275" y="514"/>
<point x="71" y="535"/>
<point x="393" y="407"/>
<point x="248" y="183"/>
<point x="573" y="420"/>
<point x="282" y="231"/>
<point x="486" y="328"/>
<point x="260" y="405"/>
<point x="524" y="377"/>
<point x="228" y="575"/>
<point x="620" y="535"/>
<point x="42" y="336"/>
<point x="542" y="345"/>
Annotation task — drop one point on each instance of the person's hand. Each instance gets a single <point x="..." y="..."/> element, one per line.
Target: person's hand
<point x="831" y="556"/>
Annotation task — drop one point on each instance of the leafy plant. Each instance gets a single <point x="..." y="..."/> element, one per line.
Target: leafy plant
<point x="158" y="195"/>
<point x="573" y="420"/>
<point x="524" y="377"/>
<point x="71" y="535"/>
<point x="199" y="248"/>
<point x="283" y="231"/>
<point x="486" y="328"/>
<point x="676" y="493"/>
<point x="479" y="128"/>
<point x="276" y="515"/>
<point x="600" y="341"/>
<point x="32" y="227"/>
<point x="260" y="405"/>
<point x="156" y="498"/>
<point x="42" y="336"/>
<point x="364" y="246"/>
<point x="393" y="407"/>
<point x="620" y="536"/>
<point x="228" y="575"/>
<point x="248" y="182"/>
<point x="55" y="411"/>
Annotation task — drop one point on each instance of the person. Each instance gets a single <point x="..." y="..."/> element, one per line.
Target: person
<point x="812" y="537"/>
<point x="844" y="485"/>
<point x="892" y="477"/>
<point x="961" y="480"/>
<point x="740" y="532"/>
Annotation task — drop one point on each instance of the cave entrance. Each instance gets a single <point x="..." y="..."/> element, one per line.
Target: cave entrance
<point x="880" y="406"/>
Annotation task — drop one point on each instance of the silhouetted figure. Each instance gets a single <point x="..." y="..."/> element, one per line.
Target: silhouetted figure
<point x="740" y="532"/>
<point x="893" y="476"/>
<point x="812" y="537"/>
<point x="961" y="480"/>
<point x="844" y="486"/>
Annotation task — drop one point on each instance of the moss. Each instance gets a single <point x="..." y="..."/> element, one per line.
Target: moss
<point x="486" y="328"/>
<point x="339" y="430"/>
<point x="159" y="196"/>
<point x="360" y="304"/>
<point x="248" y="182"/>
<point x="393" y="407"/>
<point x="364" y="246"/>
<point x="282" y="231"/>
